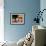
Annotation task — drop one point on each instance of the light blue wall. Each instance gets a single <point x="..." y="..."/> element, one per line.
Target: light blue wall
<point x="29" y="7"/>
<point x="43" y="6"/>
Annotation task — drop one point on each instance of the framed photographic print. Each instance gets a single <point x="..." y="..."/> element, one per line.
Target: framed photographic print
<point x="17" y="18"/>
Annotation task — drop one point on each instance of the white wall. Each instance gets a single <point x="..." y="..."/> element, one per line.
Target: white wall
<point x="1" y="21"/>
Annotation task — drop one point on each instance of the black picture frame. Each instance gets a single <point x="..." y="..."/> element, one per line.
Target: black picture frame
<point x="17" y="18"/>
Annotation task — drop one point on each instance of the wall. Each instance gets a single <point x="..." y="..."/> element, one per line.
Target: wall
<point x="1" y="21"/>
<point x="43" y="6"/>
<point x="29" y="7"/>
